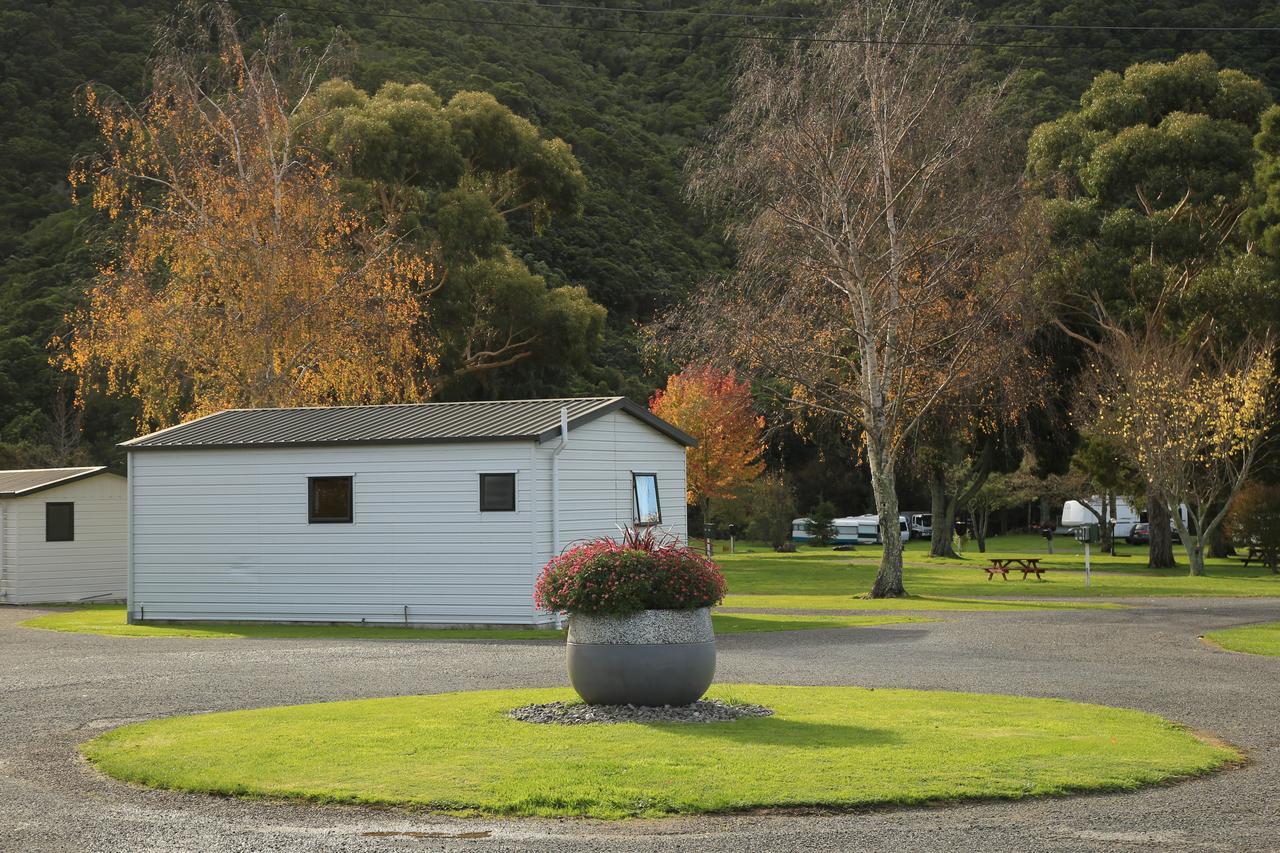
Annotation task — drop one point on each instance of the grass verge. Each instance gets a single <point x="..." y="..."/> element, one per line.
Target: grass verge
<point x="1251" y="639"/>
<point x="825" y="747"/>
<point x="846" y="601"/>
<point x="109" y="619"/>
<point x="823" y="572"/>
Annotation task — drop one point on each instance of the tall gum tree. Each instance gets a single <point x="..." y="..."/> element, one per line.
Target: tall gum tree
<point x="451" y="178"/>
<point x="1145" y="187"/>
<point x="860" y="184"/>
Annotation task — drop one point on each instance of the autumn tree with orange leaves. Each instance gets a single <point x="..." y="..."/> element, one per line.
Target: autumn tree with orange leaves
<point x="240" y="277"/>
<point x="716" y="409"/>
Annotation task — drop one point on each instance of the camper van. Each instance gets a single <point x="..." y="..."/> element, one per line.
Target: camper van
<point x="1076" y="513"/>
<point x="919" y="524"/>
<point x="851" y="530"/>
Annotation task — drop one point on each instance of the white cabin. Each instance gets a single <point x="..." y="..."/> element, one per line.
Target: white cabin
<point x="433" y="514"/>
<point x="63" y="534"/>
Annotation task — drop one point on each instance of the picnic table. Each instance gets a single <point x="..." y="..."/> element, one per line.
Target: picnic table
<point x="1027" y="565"/>
<point x="1265" y="556"/>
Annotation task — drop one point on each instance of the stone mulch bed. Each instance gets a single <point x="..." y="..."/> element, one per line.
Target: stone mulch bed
<point x="577" y="713"/>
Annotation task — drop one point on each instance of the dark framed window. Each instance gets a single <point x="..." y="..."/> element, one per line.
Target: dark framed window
<point x="329" y="500"/>
<point x="59" y="522"/>
<point x="644" y="491"/>
<point x="497" y="492"/>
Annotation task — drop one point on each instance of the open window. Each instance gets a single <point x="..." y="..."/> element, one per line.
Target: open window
<point x="497" y="492"/>
<point x="329" y="500"/>
<point x="59" y="522"/>
<point x="644" y="490"/>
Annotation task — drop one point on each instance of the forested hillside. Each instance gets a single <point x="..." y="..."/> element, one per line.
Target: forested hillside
<point x="629" y="89"/>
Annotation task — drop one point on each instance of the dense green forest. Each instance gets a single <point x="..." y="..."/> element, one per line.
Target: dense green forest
<point x="630" y="89"/>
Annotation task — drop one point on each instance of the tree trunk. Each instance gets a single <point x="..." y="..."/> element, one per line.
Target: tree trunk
<point x="1111" y="524"/>
<point x="889" y="579"/>
<point x="1192" y="544"/>
<point x="1161" y="554"/>
<point x="1046" y="517"/>
<point x="944" y="519"/>
<point x="980" y="522"/>
<point x="1220" y="543"/>
<point x="1104" y="526"/>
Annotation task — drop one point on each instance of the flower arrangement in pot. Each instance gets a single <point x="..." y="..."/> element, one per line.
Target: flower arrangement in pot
<point x="639" y="618"/>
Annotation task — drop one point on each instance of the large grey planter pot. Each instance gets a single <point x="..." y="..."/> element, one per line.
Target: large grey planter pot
<point x="654" y="657"/>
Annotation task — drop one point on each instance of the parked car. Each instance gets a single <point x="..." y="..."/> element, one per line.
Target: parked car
<point x="1140" y="534"/>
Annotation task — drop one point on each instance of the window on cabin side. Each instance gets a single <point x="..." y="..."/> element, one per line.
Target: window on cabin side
<point x="644" y="489"/>
<point x="59" y="522"/>
<point x="497" y="492"/>
<point x="329" y="500"/>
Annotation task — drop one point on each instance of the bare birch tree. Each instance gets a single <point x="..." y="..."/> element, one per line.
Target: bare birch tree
<point x="860" y="178"/>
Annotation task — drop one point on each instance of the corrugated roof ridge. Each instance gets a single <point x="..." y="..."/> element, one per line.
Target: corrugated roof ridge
<point x="67" y="468"/>
<point x="403" y="405"/>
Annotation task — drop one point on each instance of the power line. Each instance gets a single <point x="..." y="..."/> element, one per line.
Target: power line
<point x="765" y="16"/>
<point x="758" y="37"/>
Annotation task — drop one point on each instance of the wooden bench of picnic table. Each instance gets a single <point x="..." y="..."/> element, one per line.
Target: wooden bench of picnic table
<point x="1258" y="555"/>
<point x="1002" y="565"/>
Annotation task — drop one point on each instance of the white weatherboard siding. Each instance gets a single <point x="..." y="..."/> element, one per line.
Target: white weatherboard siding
<point x="93" y="566"/>
<point x="222" y="534"/>
<point x="8" y="583"/>
<point x="595" y="480"/>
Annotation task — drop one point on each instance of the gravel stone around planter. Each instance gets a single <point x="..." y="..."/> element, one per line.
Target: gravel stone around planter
<point x="647" y="626"/>
<point x="578" y="713"/>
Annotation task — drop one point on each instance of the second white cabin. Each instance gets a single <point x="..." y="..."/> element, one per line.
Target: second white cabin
<point x="62" y="536"/>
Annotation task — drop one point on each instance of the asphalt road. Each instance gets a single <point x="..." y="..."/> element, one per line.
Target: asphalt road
<point x="61" y="689"/>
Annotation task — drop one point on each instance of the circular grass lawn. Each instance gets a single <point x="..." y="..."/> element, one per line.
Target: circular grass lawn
<point x="835" y="747"/>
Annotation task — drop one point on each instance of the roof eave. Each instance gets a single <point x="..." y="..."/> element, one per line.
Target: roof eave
<point x="83" y="475"/>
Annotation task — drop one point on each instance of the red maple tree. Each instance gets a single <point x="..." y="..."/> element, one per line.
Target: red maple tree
<point x="716" y="409"/>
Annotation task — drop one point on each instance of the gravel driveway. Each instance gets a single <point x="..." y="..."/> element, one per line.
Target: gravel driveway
<point x="61" y="689"/>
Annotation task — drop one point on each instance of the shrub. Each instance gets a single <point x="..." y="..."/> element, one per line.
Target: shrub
<point x="1255" y="522"/>
<point x="821" y="529"/>
<point x="643" y="572"/>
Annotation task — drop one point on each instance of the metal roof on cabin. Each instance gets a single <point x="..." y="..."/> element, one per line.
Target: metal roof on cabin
<point x="25" y="481"/>
<point x="412" y="423"/>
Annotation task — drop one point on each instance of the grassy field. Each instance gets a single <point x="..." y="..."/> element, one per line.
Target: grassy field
<point x="109" y="619"/>
<point x="836" y="747"/>
<point x="1250" y="639"/>
<point x="823" y="579"/>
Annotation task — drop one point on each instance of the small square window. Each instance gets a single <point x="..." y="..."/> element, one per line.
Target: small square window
<point x="59" y="522"/>
<point x="329" y="500"/>
<point x="644" y="488"/>
<point x="497" y="492"/>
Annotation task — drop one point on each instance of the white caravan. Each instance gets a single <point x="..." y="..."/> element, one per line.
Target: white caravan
<point x="1076" y="513"/>
<point x="851" y="530"/>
